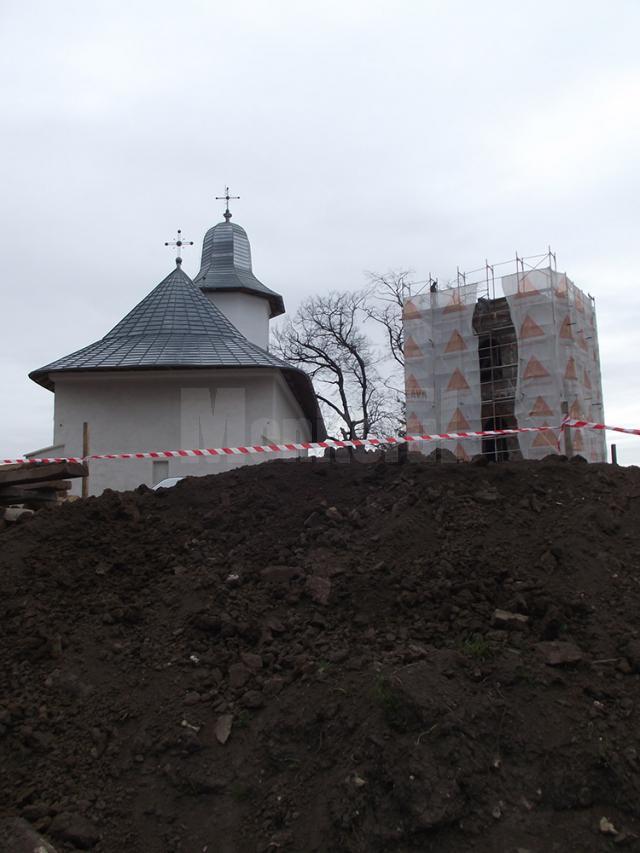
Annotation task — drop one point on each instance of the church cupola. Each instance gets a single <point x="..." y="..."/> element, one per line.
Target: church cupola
<point x="226" y="278"/>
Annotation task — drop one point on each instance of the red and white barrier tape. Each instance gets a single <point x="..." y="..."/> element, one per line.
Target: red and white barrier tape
<point x="281" y="448"/>
<point x="575" y="424"/>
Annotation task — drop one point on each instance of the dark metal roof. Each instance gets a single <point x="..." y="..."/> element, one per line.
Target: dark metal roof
<point x="176" y="326"/>
<point x="226" y="265"/>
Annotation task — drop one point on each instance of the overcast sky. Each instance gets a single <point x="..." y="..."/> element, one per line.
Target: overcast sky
<point x="360" y="136"/>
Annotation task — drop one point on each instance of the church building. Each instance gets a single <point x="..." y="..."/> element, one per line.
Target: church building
<point x="189" y="367"/>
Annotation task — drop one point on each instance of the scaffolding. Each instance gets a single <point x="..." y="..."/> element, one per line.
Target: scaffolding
<point x="504" y="351"/>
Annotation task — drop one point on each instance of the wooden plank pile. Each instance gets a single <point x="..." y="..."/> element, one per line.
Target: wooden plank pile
<point x="37" y="484"/>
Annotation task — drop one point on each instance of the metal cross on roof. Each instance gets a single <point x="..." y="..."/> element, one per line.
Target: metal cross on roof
<point x="226" y="197"/>
<point x="178" y="243"/>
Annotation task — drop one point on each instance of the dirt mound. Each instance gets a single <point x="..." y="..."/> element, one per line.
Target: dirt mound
<point x="316" y="656"/>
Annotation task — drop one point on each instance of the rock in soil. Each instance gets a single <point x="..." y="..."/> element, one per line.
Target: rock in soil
<point x="223" y="728"/>
<point x="557" y="653"/>
<point x="17" y="836"/>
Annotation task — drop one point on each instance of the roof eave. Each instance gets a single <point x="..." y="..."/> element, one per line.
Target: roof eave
<point x="41" y="377"/>
<point x="302" y="389"/>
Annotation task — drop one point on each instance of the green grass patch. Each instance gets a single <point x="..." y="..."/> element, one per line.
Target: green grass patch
<point x="477" y="647"/>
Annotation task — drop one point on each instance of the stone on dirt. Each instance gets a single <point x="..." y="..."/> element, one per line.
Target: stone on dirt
<point x="508" y="620"/>
<point x="558" y="653"/>
<point x="18" y="836"/>
<point x="223" y="727"/>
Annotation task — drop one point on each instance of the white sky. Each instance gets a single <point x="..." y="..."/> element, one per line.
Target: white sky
<point x="360" y="135"/>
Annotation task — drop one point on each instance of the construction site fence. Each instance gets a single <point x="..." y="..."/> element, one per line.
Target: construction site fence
<point x="248" y="450"/>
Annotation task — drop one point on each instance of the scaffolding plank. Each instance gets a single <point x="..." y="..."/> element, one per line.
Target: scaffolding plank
<point x="57" y="485"/>
<point x="38" y="473"/>
<point x="18" y="495"/>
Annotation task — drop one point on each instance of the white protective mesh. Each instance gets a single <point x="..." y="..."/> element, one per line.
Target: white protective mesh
<point x="442" y="367"/>
<point x="557" y="347"/>
<point x="557" y="361"/>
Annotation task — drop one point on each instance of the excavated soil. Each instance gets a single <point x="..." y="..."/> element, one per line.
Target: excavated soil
<point x="316" y="656"/>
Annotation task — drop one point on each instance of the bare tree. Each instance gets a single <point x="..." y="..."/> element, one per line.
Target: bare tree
<point x="326" y="338"/>
<point x="385" y="299"/>
<point x="386" y="294"/>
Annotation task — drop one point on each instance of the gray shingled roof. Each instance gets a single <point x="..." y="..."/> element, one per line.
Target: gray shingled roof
<point x="226" y="265"/>
<point x="176" y="326"/>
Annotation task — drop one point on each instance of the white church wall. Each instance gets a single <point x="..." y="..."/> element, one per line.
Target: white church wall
<point x="249" y="314"/>
<point x="169" y="410"/>
<point x="287" y="416"/>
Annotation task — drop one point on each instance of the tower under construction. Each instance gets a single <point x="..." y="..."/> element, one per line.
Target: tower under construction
<point x="519" y="350"/>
